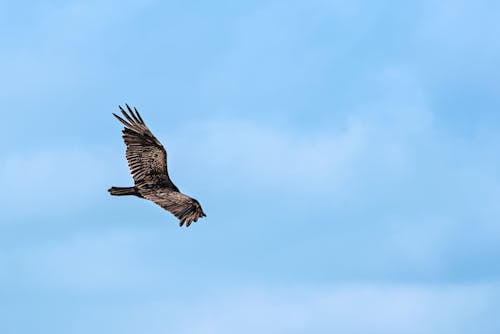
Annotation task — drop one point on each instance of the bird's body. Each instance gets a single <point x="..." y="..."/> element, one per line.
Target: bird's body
<point x="147" y="159"/>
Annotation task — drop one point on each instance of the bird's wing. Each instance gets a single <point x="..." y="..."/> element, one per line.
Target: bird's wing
<point x="185" y="208"/>
<point x="146" y="156"/>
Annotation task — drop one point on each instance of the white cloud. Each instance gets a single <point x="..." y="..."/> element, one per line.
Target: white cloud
<point x="349" y="309"/>
<point x="353" y="309"/>
<point x="108" y="262"/>
<point x="47" y="55"/>
<point x="102" y="261"/>
<point x="388" y="177"/>
<point x="392" y="147"/>
<point x="262" y="157"/>
<point x="52" y="181"/>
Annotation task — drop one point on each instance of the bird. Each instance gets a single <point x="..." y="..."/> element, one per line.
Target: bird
<point x="147" y="160"/>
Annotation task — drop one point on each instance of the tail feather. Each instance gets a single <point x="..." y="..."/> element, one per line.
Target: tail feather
<point x="123" y="191"/>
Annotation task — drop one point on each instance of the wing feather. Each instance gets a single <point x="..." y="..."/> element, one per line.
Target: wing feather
<point x="146" y="156"/>
<point x="124" y="122"/>
<point x="127" y="116"/>
<point x="138" y="115"/>
<point x="185" y="208"/>
<point x="136" y="119"/>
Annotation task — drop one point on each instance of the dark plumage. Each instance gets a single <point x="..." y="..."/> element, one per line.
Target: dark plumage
<point x="147" y="160"/>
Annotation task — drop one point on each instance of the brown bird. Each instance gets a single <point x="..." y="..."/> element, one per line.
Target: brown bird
<point x="147" y="159"/>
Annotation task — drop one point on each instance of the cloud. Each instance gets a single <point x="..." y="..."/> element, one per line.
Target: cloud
<point x="86" y="262"/>
<point x="355" y="308"/>
<point x="132" y="289"/>
<point x="45" y="60"/>
<point x="326" y="152"/>
<point x="51" y="181"/>
<point x="386" y="174"/>
<point x="261" y="156"/>
<point x="391" y="177"/>
<point x="388" y="177"/>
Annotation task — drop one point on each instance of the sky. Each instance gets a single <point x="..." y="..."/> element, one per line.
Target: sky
<point x="346" y="154"/>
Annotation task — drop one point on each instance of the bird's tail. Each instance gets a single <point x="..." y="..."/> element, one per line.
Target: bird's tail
<point x="123" y="191"/>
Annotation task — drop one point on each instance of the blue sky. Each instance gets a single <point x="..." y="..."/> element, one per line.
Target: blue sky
<point x="346" y="154"/>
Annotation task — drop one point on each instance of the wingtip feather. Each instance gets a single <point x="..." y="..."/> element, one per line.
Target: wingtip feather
<point x="124" y="122"/>
<point x="127" y="116"/>
<point x="138" y="115"/>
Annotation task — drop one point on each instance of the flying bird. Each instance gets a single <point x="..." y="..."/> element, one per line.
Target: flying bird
<point x="147" y="160"/>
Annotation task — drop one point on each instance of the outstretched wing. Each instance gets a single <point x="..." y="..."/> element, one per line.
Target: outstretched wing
<point x="185" y="208"/>
<point x="146" y="156"/>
